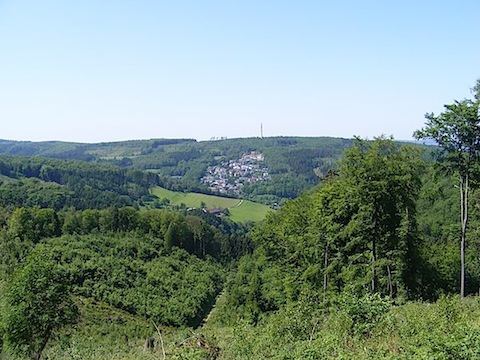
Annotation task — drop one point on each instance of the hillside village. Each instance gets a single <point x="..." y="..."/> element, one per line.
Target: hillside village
<point x="229" y="177"/>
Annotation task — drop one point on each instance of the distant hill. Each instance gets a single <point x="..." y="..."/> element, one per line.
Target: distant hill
<point x="294" y="164"/>
<point x="85" y="151"/>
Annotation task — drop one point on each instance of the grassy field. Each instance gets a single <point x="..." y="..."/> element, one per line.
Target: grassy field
<point x="240" y="210"/>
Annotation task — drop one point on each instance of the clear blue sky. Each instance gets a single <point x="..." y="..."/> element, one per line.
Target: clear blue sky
<point x="98" y="70"/>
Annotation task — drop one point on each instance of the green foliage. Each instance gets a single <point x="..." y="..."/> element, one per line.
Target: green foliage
<point x="119" y="256"/>
<point x="23" y="230"/>
<point x="438" y="259"/>
<point x="58" y="184"/>
<point x="291" y="162"/>
<point x="363" y="312"/>
<point x="356" y="232"/>
<point x="330" y="275"/>
<point x="138" y="275"/>
<point x="33" y="192"/>
<point x="29" y="224"/>
<point x="38" y="303"/>
<point x="457" y="132"/>
<point x="104" y="333"/>
<point x="201" y="236"/>
<point x="382" y="184"/>
<point x="295" y="163"/>
<point x="448" y="329"/>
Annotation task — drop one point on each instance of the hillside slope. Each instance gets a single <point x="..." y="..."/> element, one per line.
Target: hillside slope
<point x="37" y="181"/>
<point x="238" y="210"/>
<point x="294" y="164"/>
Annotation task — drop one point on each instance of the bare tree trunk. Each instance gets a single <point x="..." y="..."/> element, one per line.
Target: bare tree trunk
<point x="149" y="344"/>
<point x="464" y="220"/>
<point x="374" y="256"/>
<point x="161" y="340"/>
<point x="325" y="277"/>
<point x="38" y="354"/>
<point x="390" y="285"/>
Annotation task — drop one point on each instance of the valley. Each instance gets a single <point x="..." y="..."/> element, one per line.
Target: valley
<point x="288" y="165"/>
<point x="239" y="180"/>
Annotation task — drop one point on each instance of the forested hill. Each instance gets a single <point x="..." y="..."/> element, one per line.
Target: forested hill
<point x="340" y="272"/>
<point x="85" y="151"/>
<point x="289" y="165"/>
<point x="266" y="170"/>
<point x="36" y="181"/>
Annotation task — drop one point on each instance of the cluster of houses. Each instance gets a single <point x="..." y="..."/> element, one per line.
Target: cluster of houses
<point x="229" y="177"/>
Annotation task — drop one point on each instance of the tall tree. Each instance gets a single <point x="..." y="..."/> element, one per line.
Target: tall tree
<point x="38" y="303"/>
<point x="352" y="233"/>
<point x="457" y="132"/>
<point x="383" y="182"/>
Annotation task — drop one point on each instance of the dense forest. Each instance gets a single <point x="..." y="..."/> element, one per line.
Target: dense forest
<point x="57" y="184"/>
<point x="377" y="259"/>
<point x="155" y="264"/>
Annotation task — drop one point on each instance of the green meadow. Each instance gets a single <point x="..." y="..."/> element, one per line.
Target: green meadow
<point x="240" y="210"/>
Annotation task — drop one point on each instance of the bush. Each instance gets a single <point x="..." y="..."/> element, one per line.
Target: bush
<point x="363" y="312"/>
<point x="368" y="327"/>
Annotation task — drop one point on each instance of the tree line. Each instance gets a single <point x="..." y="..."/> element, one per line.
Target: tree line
<point x="59" y="183"/>
<point x="372" y="226"/>
<point x="24" y="228"/>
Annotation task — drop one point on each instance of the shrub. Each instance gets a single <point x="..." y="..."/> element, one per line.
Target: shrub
<point x="364" y="312"/>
